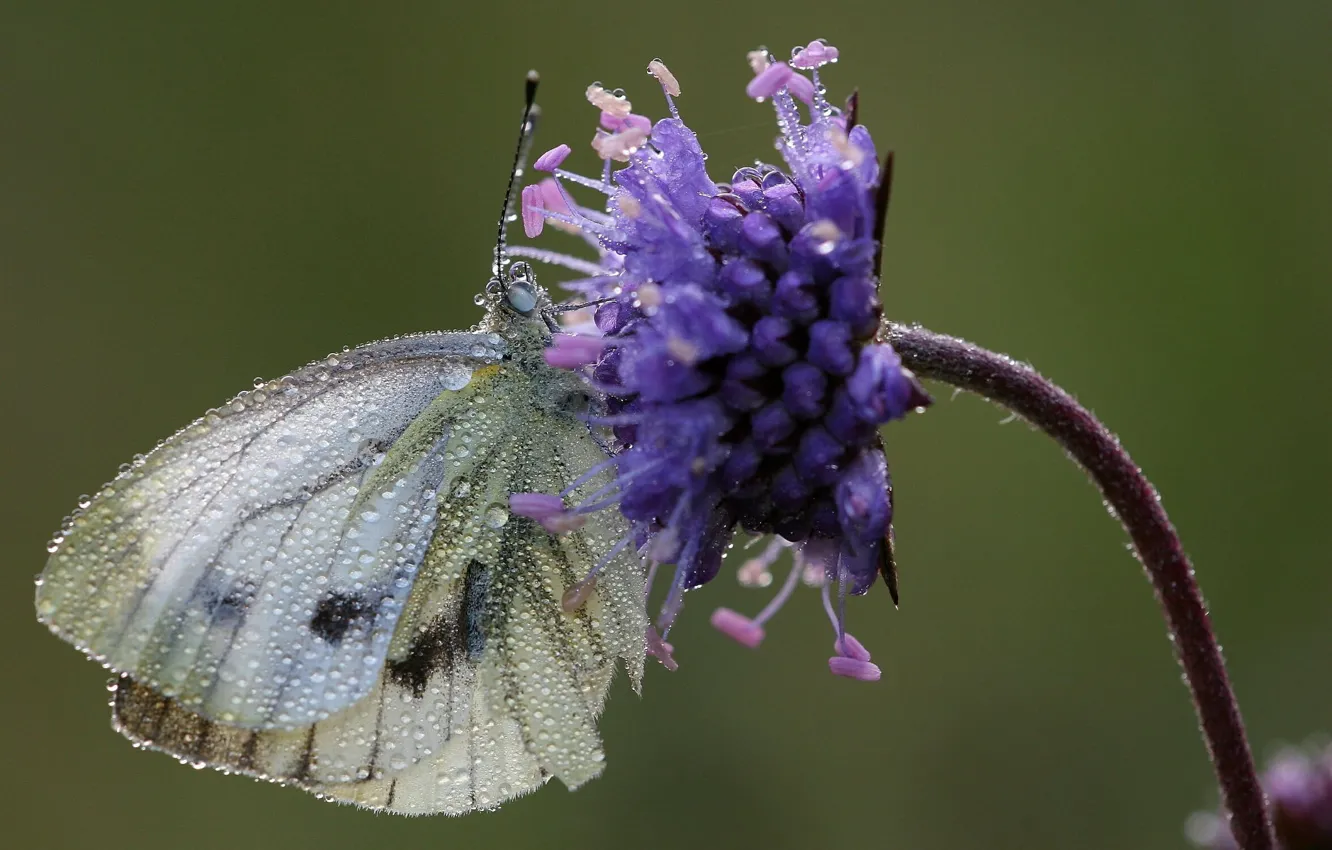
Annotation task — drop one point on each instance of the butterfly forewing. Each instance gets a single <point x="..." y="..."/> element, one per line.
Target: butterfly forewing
<point x="253" y="565"/>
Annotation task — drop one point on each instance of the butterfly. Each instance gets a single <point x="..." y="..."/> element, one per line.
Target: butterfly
<point x="321" y="584"/>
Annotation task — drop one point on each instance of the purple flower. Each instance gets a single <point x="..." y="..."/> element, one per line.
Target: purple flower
<point x="736" y="345"/>
<point x="1299" y="791"/>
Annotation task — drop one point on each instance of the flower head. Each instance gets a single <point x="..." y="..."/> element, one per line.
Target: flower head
<point x="1298" y="784"/>
<point x="736" y="341"/>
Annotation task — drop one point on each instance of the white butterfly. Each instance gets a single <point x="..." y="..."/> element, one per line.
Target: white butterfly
<point x="321" y="583"/>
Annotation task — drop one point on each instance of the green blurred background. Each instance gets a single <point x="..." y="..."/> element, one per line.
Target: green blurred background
<point x="1134" y="196"/>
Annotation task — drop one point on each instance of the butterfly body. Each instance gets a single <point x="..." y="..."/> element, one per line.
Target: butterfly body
<point x="321" y="583"/>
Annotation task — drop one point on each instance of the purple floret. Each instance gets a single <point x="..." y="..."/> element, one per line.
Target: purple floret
<point x="744" y="381"/>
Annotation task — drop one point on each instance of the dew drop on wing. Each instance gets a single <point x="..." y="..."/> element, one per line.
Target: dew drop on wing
<point x="496" y="516"/>
<point x="455" y="376"/>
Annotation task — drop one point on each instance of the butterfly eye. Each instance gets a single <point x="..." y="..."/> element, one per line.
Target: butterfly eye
<point x="521" y="297"/>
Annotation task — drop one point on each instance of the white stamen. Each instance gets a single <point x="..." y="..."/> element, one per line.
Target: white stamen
<point x="754" y="573"/>
<point x="852" y="154"/>
<point x="618" y="146"/>
<point x="827" y="233"/>
<point x="664" y="545"/>
<point x="628" y="205"/>
<point x="758" y="60"/>
<point x="682" y="349"/>
<point x="658" y="69"/>
<point x="616" y="104"/>
<point x="649" y="296"/>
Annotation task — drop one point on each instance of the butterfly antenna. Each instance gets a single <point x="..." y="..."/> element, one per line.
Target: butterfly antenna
<point x="526" y="131"/>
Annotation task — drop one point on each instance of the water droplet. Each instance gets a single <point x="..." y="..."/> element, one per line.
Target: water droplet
<point x="496" y="516"/>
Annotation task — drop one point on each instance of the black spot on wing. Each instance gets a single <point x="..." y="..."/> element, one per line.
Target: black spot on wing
<point x="452" y="638"/>
<point x="336" y="613"/>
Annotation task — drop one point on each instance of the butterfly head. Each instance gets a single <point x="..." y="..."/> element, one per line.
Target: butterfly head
<point x="515" y="296"/>
<point x="521" y="294"/>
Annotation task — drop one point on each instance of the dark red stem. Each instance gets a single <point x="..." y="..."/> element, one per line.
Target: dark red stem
<point x="1023" y="390"/>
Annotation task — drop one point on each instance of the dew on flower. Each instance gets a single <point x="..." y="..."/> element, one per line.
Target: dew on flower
<point x="735" y="337"/>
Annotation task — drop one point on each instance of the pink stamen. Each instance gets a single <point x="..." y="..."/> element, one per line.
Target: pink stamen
<point x="553" y="158"/>
<point x="576" y="597"/>
<point x="852" y="659"/>
<point x="535" y="506"/>
<point x="552" y="198"/>
<point x="737" y="627"/>
<point x="570" y="351"/>
<point x="848" y="647"/>
<point x="770" y="80"/>
<point x="862" y="671"/>
<point x="547" y="510"/>
<point x="660" y="649"/>
<point x="814" y="55"/>
<point x="801" y="88"/>
<point x="562" y="213"/>
<point x="616" y="123"/>
<point x="563" y="523"/>
<point x="533" y="217"/>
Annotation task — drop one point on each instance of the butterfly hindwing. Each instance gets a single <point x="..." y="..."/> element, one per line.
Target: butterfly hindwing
<point x="253" y="566"/>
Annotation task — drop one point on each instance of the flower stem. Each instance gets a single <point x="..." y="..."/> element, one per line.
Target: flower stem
<point x="1135" y="502"/>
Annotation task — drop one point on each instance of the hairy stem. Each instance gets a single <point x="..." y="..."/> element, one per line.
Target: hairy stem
<point x="1023" y="390"/>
